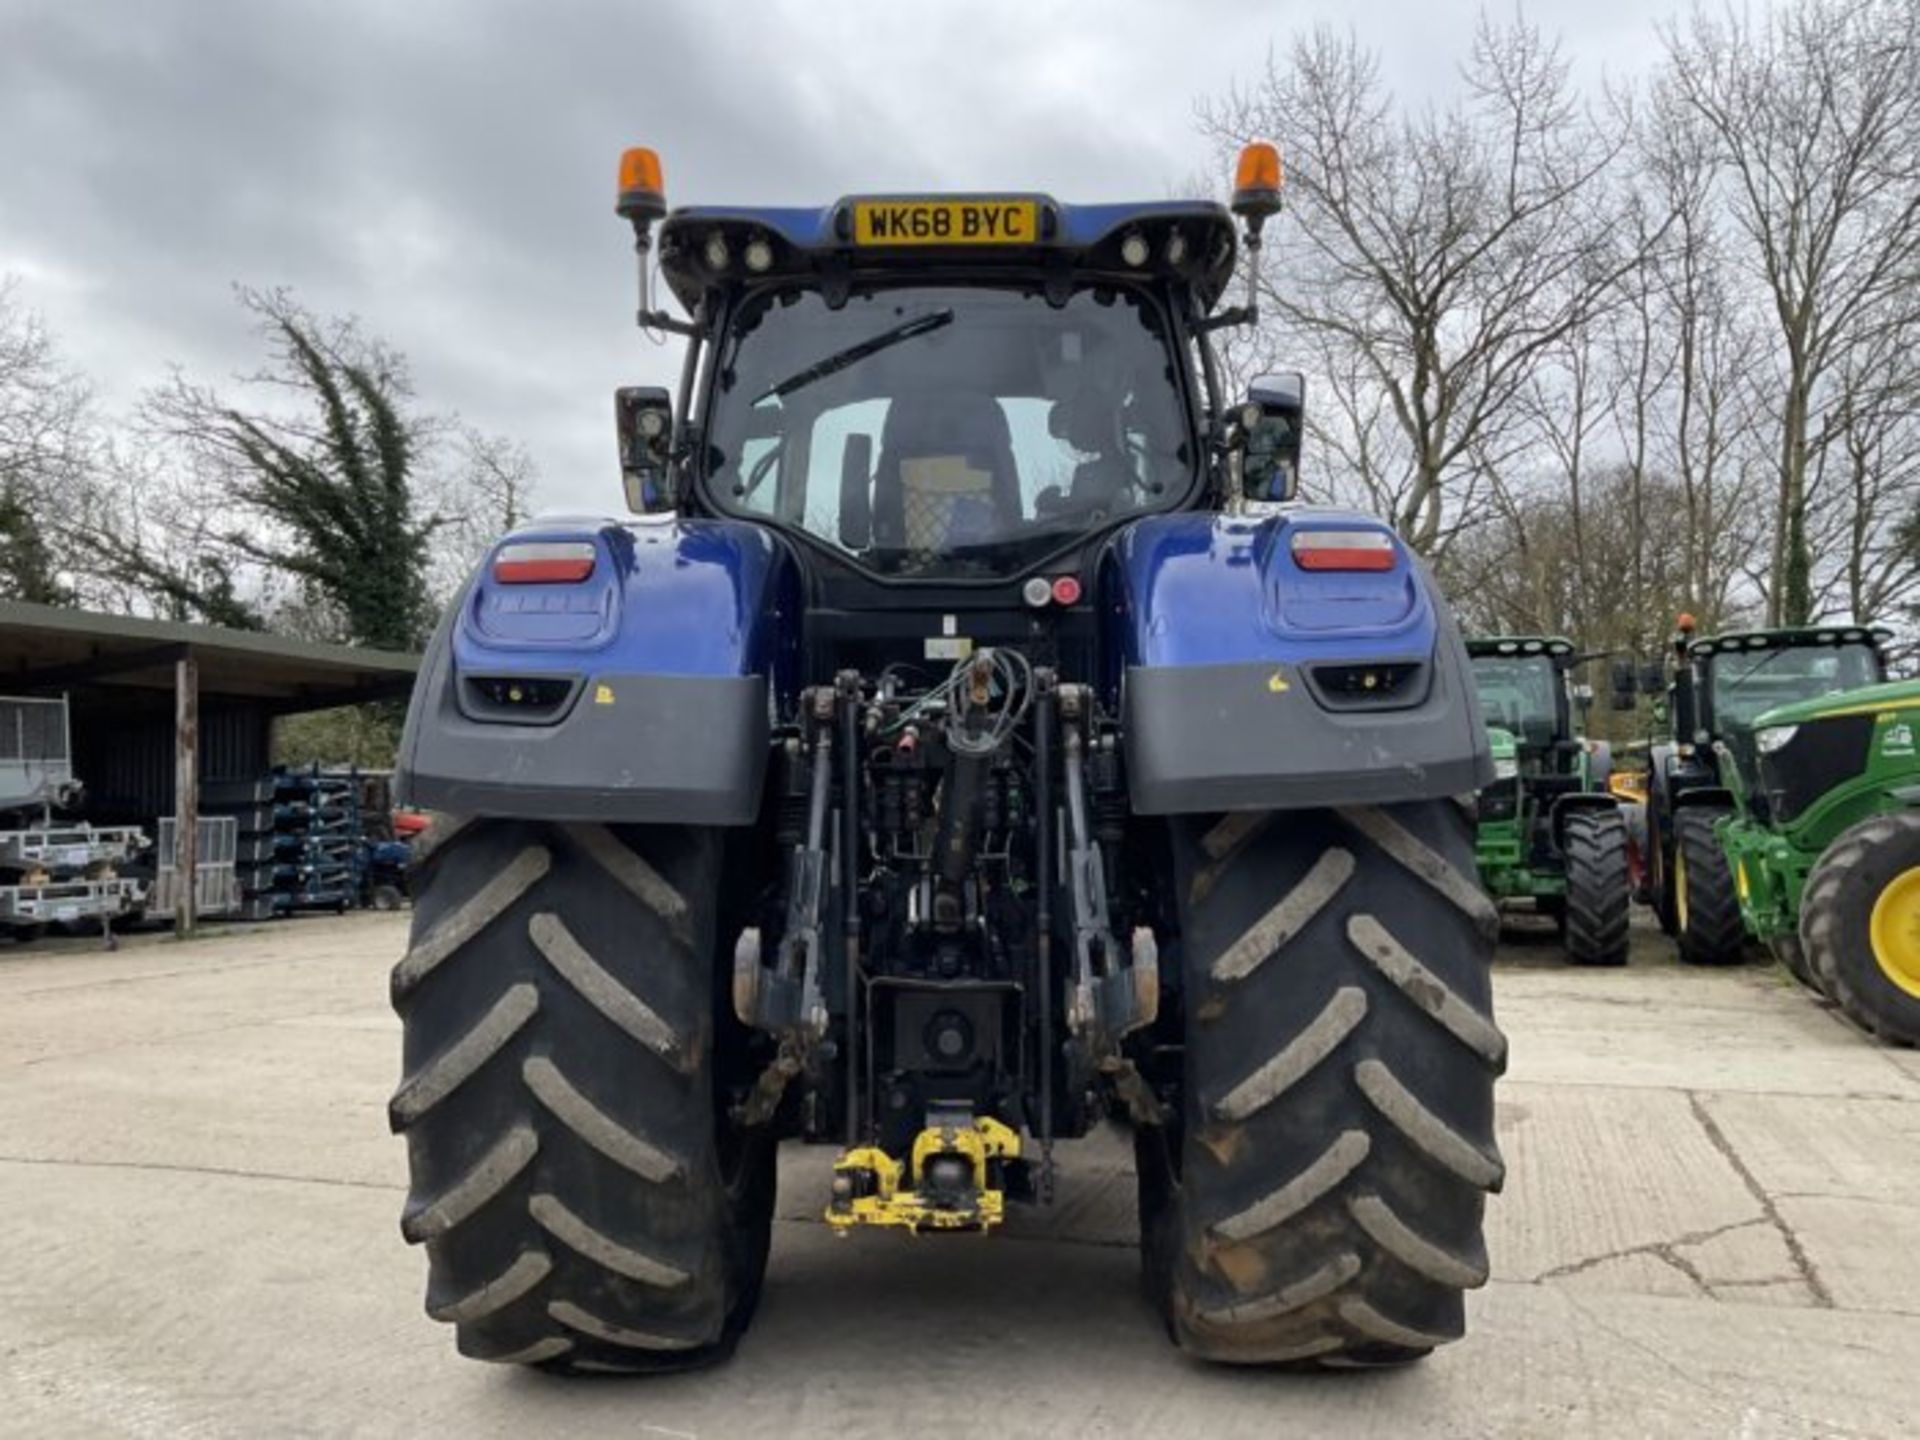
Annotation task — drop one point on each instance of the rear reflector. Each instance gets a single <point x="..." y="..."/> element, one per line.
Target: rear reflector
<point x="547" y="562"/>
<point x="1343" y="550"/>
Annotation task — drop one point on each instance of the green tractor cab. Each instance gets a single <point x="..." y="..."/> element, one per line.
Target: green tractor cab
<point x="1705" y="774"/>
<point x="1825" y="849"/>
<point x="1548" y="829"/>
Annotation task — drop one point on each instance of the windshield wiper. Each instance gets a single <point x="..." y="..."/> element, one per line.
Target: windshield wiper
<point x="1735" y="682"/>
<point x="854" y="354"/>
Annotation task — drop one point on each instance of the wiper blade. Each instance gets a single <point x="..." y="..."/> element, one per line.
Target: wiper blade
<point x="854" y="354"/>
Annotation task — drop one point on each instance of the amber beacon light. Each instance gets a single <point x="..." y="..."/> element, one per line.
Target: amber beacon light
<point x="1257" y="180"/>
<point x="643" y="193"/>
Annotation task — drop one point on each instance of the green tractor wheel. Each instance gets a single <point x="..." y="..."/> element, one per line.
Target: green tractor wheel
<point x="1599" y="898"/>
<point x="1706" y="905"/>
<point x="1860" y="925"/>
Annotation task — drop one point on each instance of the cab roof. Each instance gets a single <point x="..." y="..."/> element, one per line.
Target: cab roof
<point x="1191" y="240"/>
<point x="1519" y="645"/>
<point x="1781" y="639"/>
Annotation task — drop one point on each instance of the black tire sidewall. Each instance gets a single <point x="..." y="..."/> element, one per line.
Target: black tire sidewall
<point x="1836" y="923"/>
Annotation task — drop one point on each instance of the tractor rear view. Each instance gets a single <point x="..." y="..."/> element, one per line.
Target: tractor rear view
<point x="969" y="744"/>
<point x="1549" y="830"/>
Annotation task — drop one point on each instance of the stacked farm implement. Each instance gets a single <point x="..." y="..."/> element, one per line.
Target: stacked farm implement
<point x="298" y="840"/>
<point x="55" y="870"/>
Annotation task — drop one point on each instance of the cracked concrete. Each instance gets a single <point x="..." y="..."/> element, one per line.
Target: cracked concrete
<point x="1710" y="1227"/>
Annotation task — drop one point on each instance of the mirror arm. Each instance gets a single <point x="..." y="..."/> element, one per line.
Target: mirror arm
<point x="673" y="324"/>
<point x="1225" y="319"/>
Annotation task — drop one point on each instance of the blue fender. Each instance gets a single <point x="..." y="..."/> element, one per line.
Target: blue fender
<point x="1247" y="680"/>
<point x="642" y="693"/>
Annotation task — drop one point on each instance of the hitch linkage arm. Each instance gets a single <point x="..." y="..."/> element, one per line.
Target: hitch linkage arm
<point x="787" y="998"/>
<point x="1115" y="990"/>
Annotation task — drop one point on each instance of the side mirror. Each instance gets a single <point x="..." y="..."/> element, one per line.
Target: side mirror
<point x="1622" y="685"/>
<point x="643" y="422"/>
<point x="1266" y="437"/>
<point x="1653" y="679"/>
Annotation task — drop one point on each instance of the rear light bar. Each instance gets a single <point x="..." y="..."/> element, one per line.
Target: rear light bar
<point x="1344" y="550"/>
<point x="544" y="562"/>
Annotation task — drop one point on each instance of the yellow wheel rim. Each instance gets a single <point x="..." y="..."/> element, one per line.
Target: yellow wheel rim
<point x="1680" y="885"/>
<point x="1894" y="930"/>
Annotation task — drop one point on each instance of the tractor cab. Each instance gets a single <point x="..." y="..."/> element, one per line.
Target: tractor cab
<point x="1730" y="680"/>
<point x="949" y="403"/>
<point x="1526" y="688"/>
<point x="1528" y="698"/>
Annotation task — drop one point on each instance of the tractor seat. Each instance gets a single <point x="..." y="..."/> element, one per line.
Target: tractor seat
<point x="946" y="477"/>
<point x="1089" y="423"/>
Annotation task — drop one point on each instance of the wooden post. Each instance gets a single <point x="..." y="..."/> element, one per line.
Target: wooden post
<point x="186" y="795"/>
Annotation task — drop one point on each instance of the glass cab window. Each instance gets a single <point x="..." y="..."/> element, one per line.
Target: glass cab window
<point x="1744" y="684"/>
<point x="1519" y="694"/>
<point x="947" y="432"/>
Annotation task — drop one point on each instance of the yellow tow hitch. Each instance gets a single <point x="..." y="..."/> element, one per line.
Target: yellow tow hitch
<point x="948" y="1182"/>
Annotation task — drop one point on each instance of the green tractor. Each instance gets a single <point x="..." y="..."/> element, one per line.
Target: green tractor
<point x="1548" y="830"/>
<point x="1825" y="850"/>
<point x="1706" y="771"/>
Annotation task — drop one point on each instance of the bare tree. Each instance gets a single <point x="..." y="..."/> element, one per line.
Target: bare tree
<point x="481" y="486"/>
<point x="1433" y="259"/>
<point x="1813" y="112"/>
<point x="45" y="441"/>
<point x="1865" y="480"/>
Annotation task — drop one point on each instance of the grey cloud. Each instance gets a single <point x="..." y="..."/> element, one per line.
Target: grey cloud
<point x="444" y="171"/>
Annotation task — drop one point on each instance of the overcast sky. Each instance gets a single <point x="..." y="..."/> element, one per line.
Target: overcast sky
<point x="445" y="171"/>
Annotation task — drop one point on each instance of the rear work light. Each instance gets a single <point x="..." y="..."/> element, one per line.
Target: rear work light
<point x="1343" y="550"/>
<point x="544" y="562"/>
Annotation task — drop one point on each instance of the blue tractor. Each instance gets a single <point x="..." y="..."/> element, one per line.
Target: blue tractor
<point x="970" y="741"/>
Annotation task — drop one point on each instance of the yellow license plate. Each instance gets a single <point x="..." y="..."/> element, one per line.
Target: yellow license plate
<point x="945" y="222"/>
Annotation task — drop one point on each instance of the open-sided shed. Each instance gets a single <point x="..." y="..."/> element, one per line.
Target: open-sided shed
<point x="158" y="706"/>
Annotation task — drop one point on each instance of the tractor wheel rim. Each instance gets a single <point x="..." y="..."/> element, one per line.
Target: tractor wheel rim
<point x="1680" y="887"/>
<point x="1894" y="931"/>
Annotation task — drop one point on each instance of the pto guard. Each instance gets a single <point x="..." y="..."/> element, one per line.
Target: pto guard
<point x="639" y="694"/>
<point x="1251" y="681"/>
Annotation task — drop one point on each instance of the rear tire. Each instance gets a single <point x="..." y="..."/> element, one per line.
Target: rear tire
<point x="584" y="1200"/>
<point x="1599" y="896"/>
<point x="1320" y="1199"/>
<point x="1660" y="887"/>
<point x="1706" y="905"/>
<point x="1871" y="971"/>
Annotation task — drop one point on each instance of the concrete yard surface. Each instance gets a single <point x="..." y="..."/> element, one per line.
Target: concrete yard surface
<point x="1711" y="1226"/>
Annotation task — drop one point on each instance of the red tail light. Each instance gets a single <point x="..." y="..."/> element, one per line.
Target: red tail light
<point x="544" y="562"/>
<point x="1344" y="550"/>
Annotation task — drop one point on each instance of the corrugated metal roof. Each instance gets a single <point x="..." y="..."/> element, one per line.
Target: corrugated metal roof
<point x="52" y="647"/>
